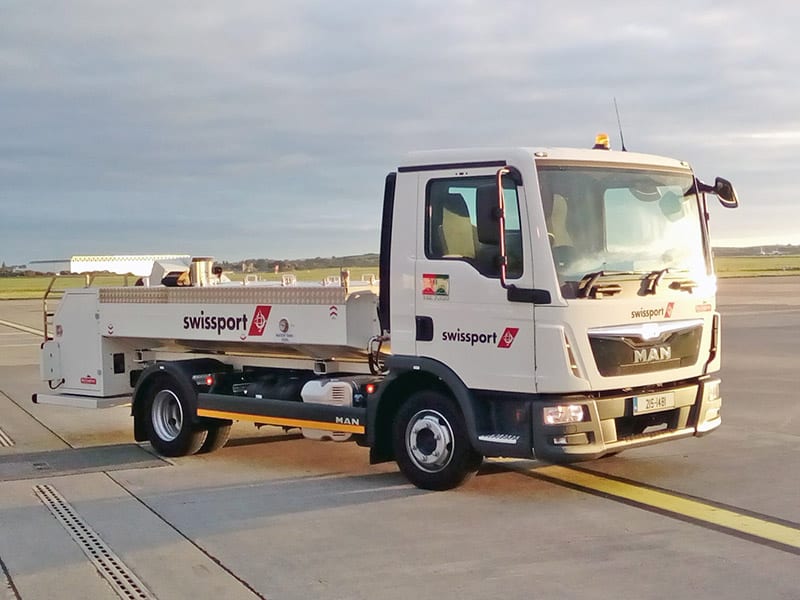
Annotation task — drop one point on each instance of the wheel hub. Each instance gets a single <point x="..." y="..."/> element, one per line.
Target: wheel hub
<point x="429" y="440"/>
<point x="167" y="415"/>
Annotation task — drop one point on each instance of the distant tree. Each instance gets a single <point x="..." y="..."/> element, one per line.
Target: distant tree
<point x="267" y="265"/>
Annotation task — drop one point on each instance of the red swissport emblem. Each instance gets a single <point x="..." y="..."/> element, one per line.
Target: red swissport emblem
<point x="259" y="321"/>
<point x="668" y="312"/>
<point x="508" y="337"/>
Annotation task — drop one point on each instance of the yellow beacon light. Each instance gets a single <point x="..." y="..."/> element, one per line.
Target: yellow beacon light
<point x="601" y="142"/>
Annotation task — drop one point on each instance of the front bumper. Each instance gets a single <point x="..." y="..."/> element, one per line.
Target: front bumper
<point x="610" y="425"/>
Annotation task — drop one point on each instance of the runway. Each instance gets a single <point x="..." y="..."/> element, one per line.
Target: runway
<point x="86" y="512"/>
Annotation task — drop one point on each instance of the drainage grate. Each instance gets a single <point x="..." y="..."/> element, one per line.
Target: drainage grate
<point x="5" y="439"/>
<point x="122" y="579"/>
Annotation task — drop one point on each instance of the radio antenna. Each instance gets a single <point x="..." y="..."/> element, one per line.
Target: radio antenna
<point x="619" y="124"/>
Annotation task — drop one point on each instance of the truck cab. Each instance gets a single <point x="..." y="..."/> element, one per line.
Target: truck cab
<point x="566" y="296"/>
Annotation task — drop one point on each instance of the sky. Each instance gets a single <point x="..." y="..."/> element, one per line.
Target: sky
<point x="245" y="129"/>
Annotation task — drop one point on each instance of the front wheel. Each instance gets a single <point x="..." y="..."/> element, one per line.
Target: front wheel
<point x="168" y="420"/>
<point x="431" y="445"/>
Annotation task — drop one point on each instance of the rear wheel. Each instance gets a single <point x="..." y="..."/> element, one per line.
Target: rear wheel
<point x="431" y="445"/>
<point x="168" y="419"/>
<point x="217" y="437"/>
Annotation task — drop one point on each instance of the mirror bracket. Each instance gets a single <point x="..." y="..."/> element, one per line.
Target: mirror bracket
<point x="722" y="188"/>
<point x="501" y="212"/>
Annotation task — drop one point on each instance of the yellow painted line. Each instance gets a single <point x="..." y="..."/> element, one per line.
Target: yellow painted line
<point x="705" y="513"/>
<point x="327" y="426"/>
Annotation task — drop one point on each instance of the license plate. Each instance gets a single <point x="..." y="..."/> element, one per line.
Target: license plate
<point x="653" y="403"/>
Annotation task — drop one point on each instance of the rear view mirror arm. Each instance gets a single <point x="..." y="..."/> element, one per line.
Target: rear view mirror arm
<point x="722" y="188"/>
<point x="501" y="206"/>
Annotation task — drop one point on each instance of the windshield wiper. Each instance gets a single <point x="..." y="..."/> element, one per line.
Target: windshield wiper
<point x="652" y="279"/>
<point x="684" y="285"/>
<point x="588" y="287"/>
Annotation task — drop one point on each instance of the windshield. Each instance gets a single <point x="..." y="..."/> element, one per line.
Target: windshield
<point x="621" y="219"/>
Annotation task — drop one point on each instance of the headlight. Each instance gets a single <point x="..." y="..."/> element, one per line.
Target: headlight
<point x="712" y="389"/>
<point x="563" y="413"/>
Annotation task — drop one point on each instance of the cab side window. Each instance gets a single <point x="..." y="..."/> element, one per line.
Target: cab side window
<point x="451" y="226"/>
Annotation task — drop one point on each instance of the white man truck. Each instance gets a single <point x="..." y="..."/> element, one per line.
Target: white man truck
<point x="556" y="304"/>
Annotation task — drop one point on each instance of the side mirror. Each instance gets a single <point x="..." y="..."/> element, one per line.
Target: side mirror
<point x="725" y="192"/>
<point x="487" y="215"/>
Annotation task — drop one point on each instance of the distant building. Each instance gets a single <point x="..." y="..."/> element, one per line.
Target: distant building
<point x="139" y="264"/>
<point x="55" y="265"/>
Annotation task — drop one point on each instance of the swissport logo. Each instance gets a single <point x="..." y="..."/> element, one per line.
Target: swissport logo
<point x="651" y="313"/>
<point x="259" y="321"/>
<point x="220" y="323"/>
<point x="489" y="338"/>
<point x="508" y="337"/>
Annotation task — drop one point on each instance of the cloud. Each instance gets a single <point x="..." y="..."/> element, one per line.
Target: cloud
<point x="269" y="113"/>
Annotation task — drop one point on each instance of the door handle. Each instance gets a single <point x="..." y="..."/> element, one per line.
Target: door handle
<point x="424" y="329"/>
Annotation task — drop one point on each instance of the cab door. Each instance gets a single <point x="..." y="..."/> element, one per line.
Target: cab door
<point x="464" y="318"/>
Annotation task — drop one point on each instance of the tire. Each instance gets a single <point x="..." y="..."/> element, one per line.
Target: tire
<point x="168" y="418"/>
<point x="217" y="437"/>
<point x="431" y="445"/>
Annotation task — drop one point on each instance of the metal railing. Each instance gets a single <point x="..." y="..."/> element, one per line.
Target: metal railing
<point x="52" y="296"/>
<point x="48" y="310"/>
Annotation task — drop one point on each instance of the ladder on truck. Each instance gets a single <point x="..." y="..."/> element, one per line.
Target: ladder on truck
<point x="53" y="296"/>
<point x="49" y="301"/>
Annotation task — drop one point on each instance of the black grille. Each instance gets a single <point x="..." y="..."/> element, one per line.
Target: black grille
<point x="629" y="355"/>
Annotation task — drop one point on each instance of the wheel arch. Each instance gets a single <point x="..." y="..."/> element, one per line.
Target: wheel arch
<point x="410" y="374"/>
<point x="180" y="371"/>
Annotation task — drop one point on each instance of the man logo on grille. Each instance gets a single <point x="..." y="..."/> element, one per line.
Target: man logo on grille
<point x="259" y="321"/>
